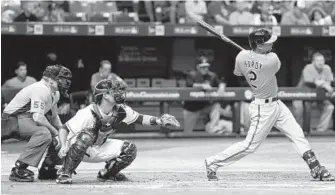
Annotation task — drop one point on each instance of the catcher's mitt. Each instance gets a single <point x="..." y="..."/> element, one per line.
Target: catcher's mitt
<point x="169" y="121"/>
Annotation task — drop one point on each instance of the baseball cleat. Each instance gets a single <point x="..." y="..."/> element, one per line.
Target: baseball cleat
<point x="323" y="175"/>
<point x="117" y="177"/>
<point x="21" y="175"/>
<point x="211" y="175"/>
<point x="64" y="179"/>
<point x="47" y="173"/>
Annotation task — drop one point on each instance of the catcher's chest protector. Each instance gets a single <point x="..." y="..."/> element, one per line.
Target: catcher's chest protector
<point x="107" y="125"/>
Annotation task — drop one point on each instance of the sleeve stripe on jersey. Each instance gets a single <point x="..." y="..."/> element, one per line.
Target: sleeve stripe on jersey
<point x="130" y="122"/>
<point x="68" y="126"/>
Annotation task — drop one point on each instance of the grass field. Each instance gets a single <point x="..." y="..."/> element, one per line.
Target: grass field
<point x="176" y="166"/>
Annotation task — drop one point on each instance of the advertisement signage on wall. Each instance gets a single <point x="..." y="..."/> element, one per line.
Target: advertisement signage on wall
<point x="159" y="30"/>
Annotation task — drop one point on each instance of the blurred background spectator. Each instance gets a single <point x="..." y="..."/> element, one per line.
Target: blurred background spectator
<point x="21" y="79"/>
<point x="11" y="86"/>
<point x="281" y="7"/>
<point x="265" y="17"/>
<point x="218" y="13"/>
<point x="105" y="71"/>
<point x="28" y="10"/>
<point x="202" y="78"/>
<point x="317" y="75"/>
<point x="242" y="15"/>
<point x="56" y="11"/>
<point x="296" y="16"/>
<point x="319" y="17"/>
<point x="195" y="10"/>
<point x="9" y="10"/>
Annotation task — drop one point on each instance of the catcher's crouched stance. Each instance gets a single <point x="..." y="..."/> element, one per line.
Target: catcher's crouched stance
<point x="85" y="136"/>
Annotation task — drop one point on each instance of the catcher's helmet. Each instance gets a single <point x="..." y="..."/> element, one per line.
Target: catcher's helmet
<point x="116" y="87"/>
<point x="261" y="36"/>
<point x="61" y="75"/>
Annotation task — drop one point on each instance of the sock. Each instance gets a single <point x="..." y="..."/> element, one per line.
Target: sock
<point x="21" y="165"/>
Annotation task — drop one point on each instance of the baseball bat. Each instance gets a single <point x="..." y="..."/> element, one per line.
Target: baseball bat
<point x="219" y="35"/>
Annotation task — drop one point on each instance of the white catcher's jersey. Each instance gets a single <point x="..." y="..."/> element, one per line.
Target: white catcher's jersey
<point x="260" y="72"/>
<point x="85" y="120"/>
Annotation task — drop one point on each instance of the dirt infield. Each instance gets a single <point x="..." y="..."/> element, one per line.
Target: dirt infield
<point x="175" y="166"/>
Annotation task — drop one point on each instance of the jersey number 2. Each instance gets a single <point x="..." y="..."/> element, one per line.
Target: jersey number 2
<point x="252" y="76"/>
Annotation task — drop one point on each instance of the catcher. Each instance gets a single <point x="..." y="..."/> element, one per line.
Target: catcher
<point x="85" y="136"/>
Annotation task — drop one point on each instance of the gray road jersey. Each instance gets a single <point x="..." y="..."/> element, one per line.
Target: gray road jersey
<point x="260" y="72"/>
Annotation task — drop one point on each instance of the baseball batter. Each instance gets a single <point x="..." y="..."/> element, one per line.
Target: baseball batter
<point x="259" y="66"/>
<point x="27" y="118"/>
<point x="85" y="136"/>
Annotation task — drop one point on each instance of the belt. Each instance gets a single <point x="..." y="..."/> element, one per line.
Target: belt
<point x="21" y="115"/>
<point x="264" y="101"/>
<point x="5" y="116"/>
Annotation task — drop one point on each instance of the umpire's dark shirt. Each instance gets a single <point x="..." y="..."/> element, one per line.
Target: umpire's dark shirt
<point x="195" y="77"/>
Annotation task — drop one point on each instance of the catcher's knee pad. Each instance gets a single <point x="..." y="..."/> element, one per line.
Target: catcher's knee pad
<point x="77" y="151"/>
<point x="128" y="152"/>
<point x="127" y="156"/>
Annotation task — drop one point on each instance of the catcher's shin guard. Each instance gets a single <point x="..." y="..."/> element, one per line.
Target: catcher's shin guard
<point x="317" y="171"/>
<point x="114" y="166"/>
<point x="74" y="156"/>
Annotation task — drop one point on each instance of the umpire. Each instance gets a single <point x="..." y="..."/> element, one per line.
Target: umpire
<point x="204" y="79"/>
<point x="32" y="116"/>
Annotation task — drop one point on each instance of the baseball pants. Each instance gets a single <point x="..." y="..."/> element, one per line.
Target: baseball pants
<point x="111" y="149"/>
<point x="263" y="117"/>
<point x="326" y="107"/>
<point x="190" y="118"/>
<point x="23" y="127"/>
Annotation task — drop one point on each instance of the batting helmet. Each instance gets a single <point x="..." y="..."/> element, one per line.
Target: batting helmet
<point x="61" y="75"/>
<point x="116" y="87"/>
<point x="261" y="36"/>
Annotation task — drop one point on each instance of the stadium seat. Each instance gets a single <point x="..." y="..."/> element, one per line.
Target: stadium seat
<point x="100" y="17"/>
<point x="103" y="11"/>
<point x="74" y="17"/>
<point x="170" y="83"/>
<point x="181" y="12"/>
<point x="143" y="83"/>
<point x="122" y="5"/>
<point x="80" y="9"/>
<point x="124" y="19"/>
<point x="104" y="7"/>
<point x="161" y="83"/>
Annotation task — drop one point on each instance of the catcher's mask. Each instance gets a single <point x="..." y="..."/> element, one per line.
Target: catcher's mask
<point x="61" y="75"/>
<point x="115" y="87"/>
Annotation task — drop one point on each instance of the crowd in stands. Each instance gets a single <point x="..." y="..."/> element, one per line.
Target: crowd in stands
<point x="275" y="12"/>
